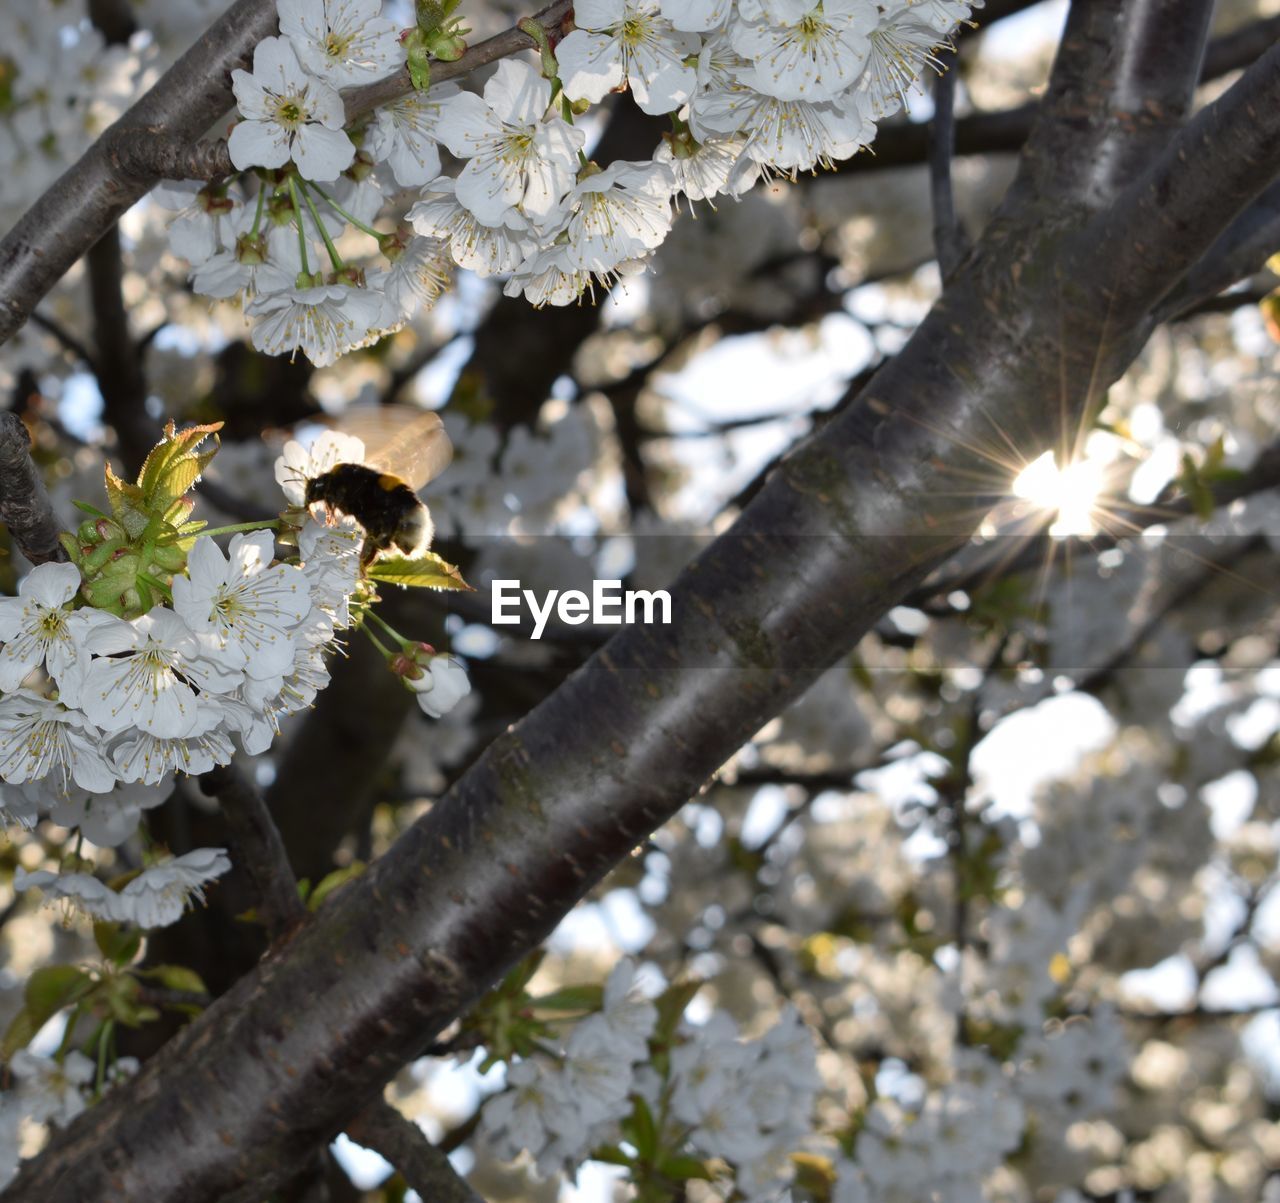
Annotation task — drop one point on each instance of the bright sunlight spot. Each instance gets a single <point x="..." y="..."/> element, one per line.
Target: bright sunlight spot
<point x="1071" y="492"/>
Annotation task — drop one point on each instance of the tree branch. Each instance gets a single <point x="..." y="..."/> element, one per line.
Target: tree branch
<point x="421" y="1164"/>
<point x="1243" y="250"/>
<point x="850" y="522"/>
<point x="1222" y="160"/>
<point x="258" y="849"/>
<point x="171" y="159"/>
<point x="116" y="364"/>
<point x="24" y="505"/>
<point x="1124" y="77"/>
<point x="86" y="201"/>
<point x="948" y="233"/>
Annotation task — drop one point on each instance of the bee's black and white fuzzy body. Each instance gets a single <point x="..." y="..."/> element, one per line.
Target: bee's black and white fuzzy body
<point x="384" y="505"/>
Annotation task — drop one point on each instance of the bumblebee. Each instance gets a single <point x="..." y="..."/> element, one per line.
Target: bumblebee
<point x="404" y="449"/>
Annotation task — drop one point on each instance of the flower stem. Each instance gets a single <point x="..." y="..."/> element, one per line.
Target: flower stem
<point x="334" y="257"/>
<point x="364" y="626"/>
<point x="104" y="1036"/>
<point x="265" y="524"/>
<point x="341" y="212"/>
<point x="158" y="585"/>
<point x="386" y="626"/>
<point x="262" y="200"/>
<point x="297" y="218"/>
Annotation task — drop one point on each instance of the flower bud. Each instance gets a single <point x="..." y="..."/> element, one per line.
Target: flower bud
<point x="443" y="687"/>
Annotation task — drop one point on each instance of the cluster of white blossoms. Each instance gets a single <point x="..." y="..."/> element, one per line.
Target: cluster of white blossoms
<point x="99" y="711"/>
<point x="706" y="1098"/>
<point x="753" y="89"/>
<point x="61" y="85"/>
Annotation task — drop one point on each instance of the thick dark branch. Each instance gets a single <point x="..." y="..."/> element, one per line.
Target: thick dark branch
<point x="24" y="504"/>
<point x="850" y="523"/>
<point x="1242" y="251"/>
<point x="86" y="201"/>
<point x="423" y="1166"/>
<point x="257" y="848"/>
<point x="1240" y="47"/>
<point x="1217" y="165"/>
<point x="1124" y="77"/>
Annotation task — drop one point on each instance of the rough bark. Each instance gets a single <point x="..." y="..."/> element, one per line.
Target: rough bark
<point x="24" y="504"/>
<point x="91" y="195"/>
<point x="1037" y="319"/>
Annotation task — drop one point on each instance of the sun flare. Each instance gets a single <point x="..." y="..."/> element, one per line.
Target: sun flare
<point x="1071" y="492"/>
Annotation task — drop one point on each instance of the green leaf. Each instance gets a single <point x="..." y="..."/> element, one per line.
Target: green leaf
<point x="174" y="464"/>
<point x="21" y="1032"/>
<point x="177" y="977"/>
<point x="334" y="881"/>
<point x="682" y="1168"/>
<point x="643" y="1130"/>
<point x="419" y="68"/>
<point x="127" y="504"/>
<point x="611" y="1155"/>
<point x="671" y="1004"/>
<point x="572" y="998"/>
<point x="54" y="987"/>
<point x="1197" y="490"/>
<point x="428" y="571"/>
<point x="116" y="943"/>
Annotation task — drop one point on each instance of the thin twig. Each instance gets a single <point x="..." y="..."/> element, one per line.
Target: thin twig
<point x="422" y="1165"/>
<point x="260" y="851"/>
<point x="949" y="237"/>
<point x="65" y="337"/>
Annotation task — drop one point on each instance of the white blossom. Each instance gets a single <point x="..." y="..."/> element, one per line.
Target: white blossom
<point x="41" y="740"/>
<point x="514" y="156"/>
<point x="205" y="221"/>
<point x="418" y="276"/>
<point x="324" y="321"/>
<point x="288" y="115"/>
<point x="93" y="897"/>
<point x="404" y="135"/>
<point x="40" y="629"/>
<point x="534" y="1111"/>
<point x="902" y="47"/>
<point x="344" y="42"/>
<point x="145" y="687"/>
<point x="596" y="1077"/>
<point x="484" y="249"/>
<point x="814" y="57"/>
<point x="618" y="214"/>
<point x="629" y="1015"/>
<point x="703" y="170"/>
<point x="52" y="1090"/>
<point x="243" y="603"/>
<point x="160" y="893"/>
<point x="696" y="15"/>
<point x="631" y="41"/>
<point x="150" y="759"/>
<point x="789" y="135"/>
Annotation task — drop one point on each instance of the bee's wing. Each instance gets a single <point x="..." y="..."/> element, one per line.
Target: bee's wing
<point x="401" y="440"/>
